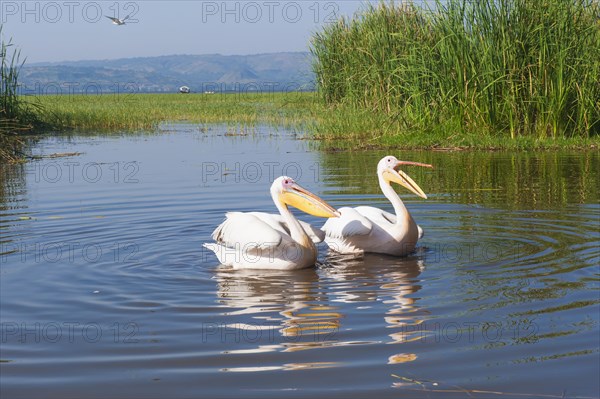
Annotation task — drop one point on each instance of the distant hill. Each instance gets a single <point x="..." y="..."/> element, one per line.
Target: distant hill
<point x="212" y="72"/>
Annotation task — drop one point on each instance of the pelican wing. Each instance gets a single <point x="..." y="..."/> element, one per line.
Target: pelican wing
<point x="277" y="222"/>
<point x="248" y="231"/>
<point x="376" y="215"/>
<point x="382" y="217"/>
<point x="350" y="223"/>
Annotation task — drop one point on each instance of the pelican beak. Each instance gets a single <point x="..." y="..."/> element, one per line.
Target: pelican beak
<point x="306" y="201"/>
<point x="398" y="176"/>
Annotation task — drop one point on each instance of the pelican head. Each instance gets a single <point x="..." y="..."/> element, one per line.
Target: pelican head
<point x="388" y="170"/>
<point x="287" y="192"/>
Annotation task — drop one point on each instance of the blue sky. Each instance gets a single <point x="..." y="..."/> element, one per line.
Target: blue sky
<point x="78" y="30"/>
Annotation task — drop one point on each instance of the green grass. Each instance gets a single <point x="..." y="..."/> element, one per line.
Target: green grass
<point x="340" y="127"/>
<point x="146" y="111"/>
<point x="501" y="72"/>
<point x="489" y="74"/>
<point x="350" y="128"/>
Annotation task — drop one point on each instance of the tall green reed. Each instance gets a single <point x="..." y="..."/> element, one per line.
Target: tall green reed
<point x="17" y="115"/>
<point x="9" y="72"/>
<point x="499" y="67"/>
<point x="13" y="114"/>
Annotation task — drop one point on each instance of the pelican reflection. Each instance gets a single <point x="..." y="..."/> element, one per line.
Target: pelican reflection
<point x="313" y="308"/>
<point x="374" y="278"/>
<point x="288" y="302"/>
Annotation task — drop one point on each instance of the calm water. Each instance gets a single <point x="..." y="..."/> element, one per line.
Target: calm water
<point x="106" y="290"/>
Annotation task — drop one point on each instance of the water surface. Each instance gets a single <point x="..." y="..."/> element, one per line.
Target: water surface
<point x="106" y="290"/>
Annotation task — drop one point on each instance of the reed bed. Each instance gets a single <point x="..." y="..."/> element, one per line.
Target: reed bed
<point x="489" y="68"/>
<point x="301" y="112"/>
<point x="511" y="74"/>
<point x="9" y="101"/>
<point x="16" y="115"/>
<point x="146" y="111"/>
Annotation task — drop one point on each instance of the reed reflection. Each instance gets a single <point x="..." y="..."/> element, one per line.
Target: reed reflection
<point x="521" y="180"/>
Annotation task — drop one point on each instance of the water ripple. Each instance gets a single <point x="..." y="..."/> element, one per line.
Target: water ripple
<point x="106" y="290"/>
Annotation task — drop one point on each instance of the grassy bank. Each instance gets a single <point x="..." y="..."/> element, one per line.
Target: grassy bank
<point x="334" y="127"/>
<point x="348" y="127"/>
<point x="146" y="111"/>
<point x="489" y="74"/>
<point x="485" y="73"/>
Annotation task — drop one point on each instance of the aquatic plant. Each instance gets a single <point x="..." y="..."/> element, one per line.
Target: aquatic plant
<point x="491" y="67"/>
<point x="16" y="115"/>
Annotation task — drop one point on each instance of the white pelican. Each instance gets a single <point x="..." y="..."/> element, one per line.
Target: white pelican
<point x="368" y="229"/>
<point x="118" y="21"/>
<point x="256" y="240"/>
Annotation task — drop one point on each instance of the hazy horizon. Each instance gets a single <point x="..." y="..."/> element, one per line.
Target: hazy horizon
<point x="163" y="55"/>
<point x="79" y="30"/>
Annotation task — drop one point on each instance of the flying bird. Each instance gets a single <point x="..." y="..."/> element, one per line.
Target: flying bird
<point x="368" y="229"/>
<point x="118" y="21"/>
<point x="257" y="240"/>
